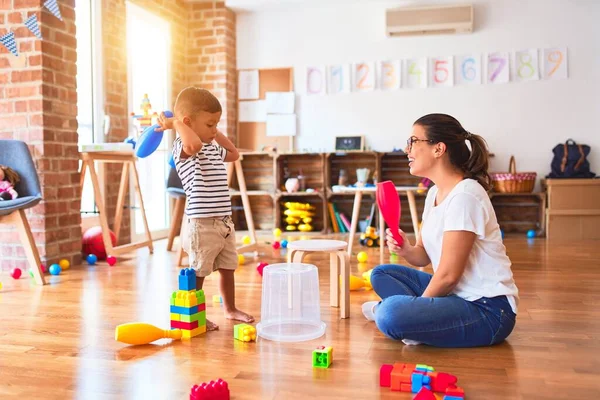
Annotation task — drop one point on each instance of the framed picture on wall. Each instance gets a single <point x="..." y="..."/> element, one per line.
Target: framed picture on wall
<point x="349" y="143"/>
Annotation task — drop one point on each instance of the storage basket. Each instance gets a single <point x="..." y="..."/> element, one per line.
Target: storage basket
<point x="513" y="181"/>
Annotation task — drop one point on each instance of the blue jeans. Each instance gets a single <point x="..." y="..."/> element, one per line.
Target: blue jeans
<point x="449" y="321"/>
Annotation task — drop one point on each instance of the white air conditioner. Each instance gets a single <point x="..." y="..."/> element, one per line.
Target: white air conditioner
<point x="429" y="20"/>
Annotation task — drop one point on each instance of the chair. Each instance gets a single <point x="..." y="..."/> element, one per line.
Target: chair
<point x="15" y="154"/>
<point x="175" y="190"/>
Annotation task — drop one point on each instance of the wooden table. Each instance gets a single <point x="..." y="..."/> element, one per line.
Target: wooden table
<point x="412" y="204"/>
<point x="128" y="161"/>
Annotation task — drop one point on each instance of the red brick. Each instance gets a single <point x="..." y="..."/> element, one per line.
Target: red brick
<point x="13" y="122"/>
<point x="22" y="91"/>
<point x="26" y="3"/>
<point x="26" y="76"/>
<point x="21" y="106"/>
<point x="15" y="17"/>
<point x="35" y="60"/>
<point x="6" y="107"/>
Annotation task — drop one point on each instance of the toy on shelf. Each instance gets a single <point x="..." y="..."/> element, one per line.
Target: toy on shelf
<point x="370" y="238"/>
<point x="402" y="377"/>
<point x="145" y="119"/>
<point x="298" y="216"/>
<point x="188" y="306"/>
<point x="218" y="390"/>
<point x="244" y="332"/>
<point x="389" y="206"/>
<point x="322" y="357"/>
<point x="137" y="333"/>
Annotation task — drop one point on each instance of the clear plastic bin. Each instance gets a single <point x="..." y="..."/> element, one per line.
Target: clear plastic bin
<point x="290" y="308"/>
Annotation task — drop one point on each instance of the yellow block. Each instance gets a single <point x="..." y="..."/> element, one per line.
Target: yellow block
<point x="187" y="334"/>
<point x="175" y="317"/>
<point x="184" y="298"/>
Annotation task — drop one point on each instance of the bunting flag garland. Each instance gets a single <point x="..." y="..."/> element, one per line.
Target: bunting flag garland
<point x="8" y="41"/>
<point x="32" y="24"/>
<point x="52" y="6"/>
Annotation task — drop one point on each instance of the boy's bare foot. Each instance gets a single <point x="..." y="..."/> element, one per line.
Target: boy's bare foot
<point x="211" y="326"/>
<point x="238" y="315"/>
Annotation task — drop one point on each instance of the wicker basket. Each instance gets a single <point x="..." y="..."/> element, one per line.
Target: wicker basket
<point x="513" y="181"/>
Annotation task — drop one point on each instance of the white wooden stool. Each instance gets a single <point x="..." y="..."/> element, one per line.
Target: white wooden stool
<point x="339" y="266"/>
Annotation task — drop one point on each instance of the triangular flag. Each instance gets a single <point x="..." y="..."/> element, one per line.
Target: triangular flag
<point x="32" y="24"/>
<point x="53" y="8"/>
<point x="8" y="41"/>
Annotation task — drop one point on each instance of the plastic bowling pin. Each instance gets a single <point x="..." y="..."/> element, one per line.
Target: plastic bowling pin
<point x="143" y="333"/>
<point x="389" y="205"/>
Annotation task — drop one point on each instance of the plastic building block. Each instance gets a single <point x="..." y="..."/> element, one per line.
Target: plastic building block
<point x="385" y="375"/>
<point x="187" y="334"/>
<point x="244" y="332"/>
<point x="182" y="298"/>
<point x="455" y="391"/>
<point x="175" y="317"/>
<point x="322" y="357"/>
<point x="184" y="325"/>
<point x="406" y="387"/>
<point x="200" y="298"/>
<point x="446" y="397"/>
<point x="184" y="310"/>
<point x="402" y="374"/>
<point x="218" y="390"/>
<point x="424" y="394"/>
<point x="217" y="298"/>
<point x="440" y="381"/>
<point x="419" y="380"/>
<point x="187" y="279"/>
<point x="199" y="316"/>
<point x="424" y="367"/>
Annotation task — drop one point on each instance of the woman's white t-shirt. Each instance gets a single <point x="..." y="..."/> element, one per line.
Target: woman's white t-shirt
<point x="468" y="208"/>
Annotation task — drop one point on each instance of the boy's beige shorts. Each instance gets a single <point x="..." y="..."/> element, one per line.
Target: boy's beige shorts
<point x="210" y="244"/>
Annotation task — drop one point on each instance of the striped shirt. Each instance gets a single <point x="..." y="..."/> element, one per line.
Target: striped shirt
<point x="204" y="179"/>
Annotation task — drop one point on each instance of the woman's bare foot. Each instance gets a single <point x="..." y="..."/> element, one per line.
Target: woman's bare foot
<point x="211" y="326"/>
<point x="238" y="315"/>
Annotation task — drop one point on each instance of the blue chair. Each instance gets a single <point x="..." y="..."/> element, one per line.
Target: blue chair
<point x="175" y="190"/>
<point x="15" y="154"/>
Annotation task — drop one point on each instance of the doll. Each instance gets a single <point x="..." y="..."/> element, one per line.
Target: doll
<point x="8" y="179"/>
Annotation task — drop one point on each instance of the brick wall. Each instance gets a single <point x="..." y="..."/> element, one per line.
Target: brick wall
<point x="38" y="104"/>
<point x="211" y="56"/>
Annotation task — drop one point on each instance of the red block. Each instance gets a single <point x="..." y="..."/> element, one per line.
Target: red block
<point x="184" y="325"/>
<point x="202" y="307"/>
<point x="210" y="391"/>
<point x="385" y="375"/>
<point x="455" y="391"/>
<point x="442" y="381"/>
<point x="424" y="394"/>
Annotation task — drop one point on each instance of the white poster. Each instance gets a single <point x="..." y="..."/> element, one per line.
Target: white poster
<point x="468" y="69"/>
<point x="526" y="66"/>
<point x="252" y="111"/>
<point x="248" y="85"/>
<point x="390" y="75"/>
<point x="364" y="77"/>
<point x="280" y="102"/>
<point x="555" y="63"/>
<point x="281" y="125"/>
<point x="416" y="73"/>
<point x="498" y="68"/>
<point x="315" y="80"/>
<point x="442" y="71"/>
<point x="338" y="79"/>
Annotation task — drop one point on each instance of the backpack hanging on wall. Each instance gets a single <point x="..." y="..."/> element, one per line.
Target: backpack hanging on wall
<point x="570" y="161"/>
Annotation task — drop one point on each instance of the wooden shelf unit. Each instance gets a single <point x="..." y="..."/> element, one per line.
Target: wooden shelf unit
<point x="520" y="212"/>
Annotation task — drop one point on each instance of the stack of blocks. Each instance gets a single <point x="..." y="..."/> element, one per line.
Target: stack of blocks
<point x="188" y="306"/>
<point x="322" y="357"/>
<point x="413" y="378"/>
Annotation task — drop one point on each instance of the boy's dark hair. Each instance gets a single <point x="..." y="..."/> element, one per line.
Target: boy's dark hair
<point x="192" y="100"/>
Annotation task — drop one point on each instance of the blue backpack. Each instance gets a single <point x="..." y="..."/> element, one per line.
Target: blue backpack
<point x="570" y="161"/>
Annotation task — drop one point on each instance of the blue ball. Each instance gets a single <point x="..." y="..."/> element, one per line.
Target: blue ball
<point x="284" y="243"/>
<point x="55" y="269"/>
<point x="91" y="259"/>
<point x="531" y="233"/>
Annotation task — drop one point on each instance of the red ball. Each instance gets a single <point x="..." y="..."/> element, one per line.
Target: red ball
<point x="16" y="273"/>
<point x="111" y="260"/>
<point x="276" y="245"/>
<point x="93" y="243"/>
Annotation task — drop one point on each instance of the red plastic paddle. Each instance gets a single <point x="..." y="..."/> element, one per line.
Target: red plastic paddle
<point x="389" y="205"/>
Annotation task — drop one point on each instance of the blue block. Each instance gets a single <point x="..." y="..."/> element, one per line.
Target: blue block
<point x="418" y="381"/>
<point x="187" y="279"/>
<point x="453" y="398"/>
<point x="184" y="310"/>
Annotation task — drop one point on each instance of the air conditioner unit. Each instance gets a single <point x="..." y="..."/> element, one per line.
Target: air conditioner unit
<point x="429" y="20"/>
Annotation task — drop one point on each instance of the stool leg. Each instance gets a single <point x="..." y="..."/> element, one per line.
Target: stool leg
<point x="334" y="285"/>
<point x="298" y="256"/>
<point x="345" y="286"/>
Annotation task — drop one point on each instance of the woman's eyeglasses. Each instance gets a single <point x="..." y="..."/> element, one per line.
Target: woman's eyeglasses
<point x="413" y="139"/>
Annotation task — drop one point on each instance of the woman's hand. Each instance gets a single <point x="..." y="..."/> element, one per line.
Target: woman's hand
<point x="164" y="122"/>
<point x="403" y="250"/>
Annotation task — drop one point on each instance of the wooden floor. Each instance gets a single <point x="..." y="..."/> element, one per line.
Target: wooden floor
<point x="57" y="342"/>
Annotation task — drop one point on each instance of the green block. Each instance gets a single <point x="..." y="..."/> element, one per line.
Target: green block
<point x="199" y="316"/>
<point x="322" y="357"/>
<point x="173" y="298"/>
<point x="200" y="296"/>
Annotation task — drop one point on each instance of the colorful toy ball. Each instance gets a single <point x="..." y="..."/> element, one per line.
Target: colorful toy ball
<point x="246" y="240"/>
<point x="241" y="259"/>
<point x="276" y="245"/>
<point x="64" y="264"/>
<point x="284" y="243"/>
<point x="55" y="269"/>
<point x="111" y="260"/>
<point x="277" y="232"/>
<point x="93" y="243"/>
<point x="261" y="266"/>
<point x="91" y="259"/>
<point x="16" y="273"/>
<point x="362" y="257"/>
<point x="531" y="234"/>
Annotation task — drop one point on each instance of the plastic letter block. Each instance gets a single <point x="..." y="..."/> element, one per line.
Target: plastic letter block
<point x="210" y="391"/>
<point x="184" y="325"/>
<point x="322" y="357"/>
<point x="244" y="332"/>
<point x="424" y="394"/>
<point x="184" y="310"/>
<point x="442" y="381"/>
<point x="385" y="375"/>
<point x="187" y="334"/>
<point x="187" y="279"/>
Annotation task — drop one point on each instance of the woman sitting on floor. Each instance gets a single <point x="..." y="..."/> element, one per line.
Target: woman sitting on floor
<point x="471" y="299"/>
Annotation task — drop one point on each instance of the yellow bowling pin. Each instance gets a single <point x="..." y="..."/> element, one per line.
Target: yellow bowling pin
<point x="143" y="333"/>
